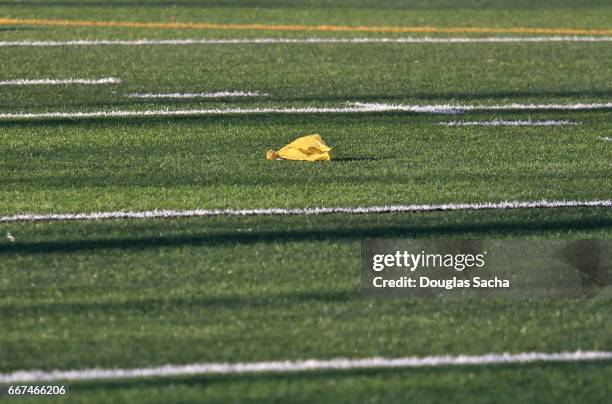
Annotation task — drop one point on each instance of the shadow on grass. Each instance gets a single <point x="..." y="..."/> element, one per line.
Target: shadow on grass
<point x="359" y="158"/>
<point x="251" y="119"/>
<point x="150" y="4"/>
<point x="263" y="119"/>
<point x="299" y="235"/>
<point x="443" y="97"/>
<point x="156" y="304"/>
<point x="113" y="4"/>
<point x="18" y="28"/>
<point x="308" y="4"/>
<point x="286" y="177"/>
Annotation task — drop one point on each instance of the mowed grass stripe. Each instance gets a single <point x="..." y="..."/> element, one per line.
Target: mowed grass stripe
<point x="156" y="214"/>
<point x="263" y="41"/>
<point x="26" y="376"/>
<point x="286" y="27"/>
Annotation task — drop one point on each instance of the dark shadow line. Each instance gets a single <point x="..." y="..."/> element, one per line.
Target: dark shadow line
<point x="114" y="4"/>
<point x="153" y="304"/>
<point x="372" y="4"/>
<point x="19" y="28"/>
<point x="273" y="178"/>
<point x="446" y="97"/>
<point x="359" y="158"/>
<point x="139" y="120"/>
<point x="281" y="236"/>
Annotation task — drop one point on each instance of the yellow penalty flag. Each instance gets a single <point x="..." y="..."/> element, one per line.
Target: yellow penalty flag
<point x="307" y="148"/>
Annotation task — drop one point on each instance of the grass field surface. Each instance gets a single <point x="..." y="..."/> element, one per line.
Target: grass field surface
<point x="148" y="292"/>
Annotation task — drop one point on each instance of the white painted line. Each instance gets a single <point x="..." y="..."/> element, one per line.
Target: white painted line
<point x="442" y="109"/>
<point x="498" y="122"/>
<point x="31" y="376"/>
<point x="218" y="94"/>
<point x="605" y="138"/>
<point x="458" y="108"/>
<point x="230" y="111"/>
<point x="374" y="40"/>
<point x="154" y="214"/>
<point x="51" y="82"/>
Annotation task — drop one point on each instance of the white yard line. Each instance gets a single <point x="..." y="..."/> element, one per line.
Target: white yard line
<point x="400" y="40"/>
<point x="605" y="138"/>
<point x="24" y="116"/>
<point x="154" y="214"/>
<point x="52" y="82"/>
<point x="218" y="94"/>
<point x="441" y="109"/>
<point x="459" y="108"/>
<point x="498" y="122"/>
<point x="31" y="376"/>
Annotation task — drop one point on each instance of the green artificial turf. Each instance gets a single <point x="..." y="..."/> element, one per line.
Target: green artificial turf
<point x="220" y="162"/>
<point x="142" y="293"/>
<point x="138" y="293"/>
<point x="309" y="74"/>
<point x="592" y="14"/>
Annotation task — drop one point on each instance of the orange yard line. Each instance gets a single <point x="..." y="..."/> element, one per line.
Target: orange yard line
<point x="328" y="28"/>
